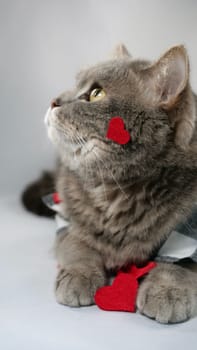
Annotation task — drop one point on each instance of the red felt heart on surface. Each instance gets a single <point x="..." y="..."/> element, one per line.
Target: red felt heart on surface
<point x="117" y="132"/>
<point x="120" y="296"/>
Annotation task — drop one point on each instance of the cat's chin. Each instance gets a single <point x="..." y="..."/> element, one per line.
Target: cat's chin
<point x="56" y="137"/>
<point x="52" y="134"/>
<point x="50" y="113"/>
<point x="72" y="154"/>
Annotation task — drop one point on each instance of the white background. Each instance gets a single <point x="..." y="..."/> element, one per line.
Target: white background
<point x="43" y="44"/>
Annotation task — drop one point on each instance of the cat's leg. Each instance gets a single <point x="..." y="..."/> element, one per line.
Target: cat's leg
<point x="168" y="294"/>
<point x="81" y="271"/>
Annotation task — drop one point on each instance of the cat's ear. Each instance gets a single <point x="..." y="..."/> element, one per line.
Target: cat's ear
<point x="165" y="80"/>
<point x="120" y="51"/>
<point x="165" y="84"/>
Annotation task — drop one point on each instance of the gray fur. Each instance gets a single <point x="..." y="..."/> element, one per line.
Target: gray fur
<point x="122" y="201"/>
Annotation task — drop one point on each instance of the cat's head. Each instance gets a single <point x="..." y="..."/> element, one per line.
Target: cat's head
<point x="153" y="99"/>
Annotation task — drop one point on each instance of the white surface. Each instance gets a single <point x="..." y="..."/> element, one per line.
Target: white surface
<point x="31" y="319"/>
<point x="43" y="45"/>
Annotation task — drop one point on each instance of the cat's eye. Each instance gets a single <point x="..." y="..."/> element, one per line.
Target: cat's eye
<point x="96" y="94"/>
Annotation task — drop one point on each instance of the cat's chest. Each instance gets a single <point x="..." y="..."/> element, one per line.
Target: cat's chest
<point x="101" y="207"/>
<point x="114" y="220"/>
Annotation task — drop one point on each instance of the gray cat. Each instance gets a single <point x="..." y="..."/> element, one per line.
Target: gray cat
<point x="123" y="200"/>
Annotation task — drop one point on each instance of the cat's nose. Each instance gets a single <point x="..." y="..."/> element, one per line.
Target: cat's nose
<point x="55" y="103"/>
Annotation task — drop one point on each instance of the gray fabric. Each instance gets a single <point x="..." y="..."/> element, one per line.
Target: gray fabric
<point x="184" y="229"/>
<point x="189" y="227"/>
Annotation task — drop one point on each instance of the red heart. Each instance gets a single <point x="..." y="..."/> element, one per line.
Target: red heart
<point x="56" y="198"/>
<point x="116" y="131"/>
<point x="120" y="296"/>
<point x="141" y="271"/>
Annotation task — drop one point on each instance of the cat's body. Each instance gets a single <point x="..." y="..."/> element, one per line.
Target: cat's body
<point x="128" y="222"/>
<point x="122" y="201"/>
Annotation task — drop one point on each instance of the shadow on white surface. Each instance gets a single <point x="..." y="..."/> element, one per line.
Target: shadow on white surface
<point x="30" y="318"/>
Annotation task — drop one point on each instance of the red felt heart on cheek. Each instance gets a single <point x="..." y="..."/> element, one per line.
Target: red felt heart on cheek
<point x="116" y="131"/>
<point x="120" y="296"/>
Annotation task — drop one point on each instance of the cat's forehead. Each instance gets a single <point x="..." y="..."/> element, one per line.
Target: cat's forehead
<point x="103" y="72"/>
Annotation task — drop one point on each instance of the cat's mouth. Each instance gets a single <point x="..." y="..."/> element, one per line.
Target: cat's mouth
<point x="76" y="146"/>
<point x="49" y="115"/>
<point x="58" y="136"/>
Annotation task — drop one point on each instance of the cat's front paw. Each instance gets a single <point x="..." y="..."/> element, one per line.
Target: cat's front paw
<point x="74" y="288"/>
<point x="168" y="294"/>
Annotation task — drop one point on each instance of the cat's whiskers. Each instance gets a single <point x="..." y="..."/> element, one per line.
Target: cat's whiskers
<point x="89" y="164"/>
<point x="74" y="142"/>
<point x="90" y="168"/>
<point x="81" y="143"/>
<point x="102" y="180"/>
<point x="113" y="177"/>
<point x="98" y="159"/>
